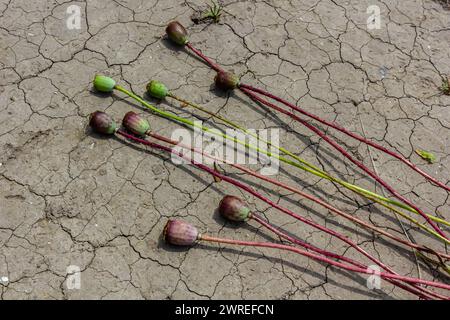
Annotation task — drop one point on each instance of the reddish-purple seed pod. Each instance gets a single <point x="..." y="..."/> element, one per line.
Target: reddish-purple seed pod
<point x="226" y="80"/>
<point x="135" y="123"/>
<point x="233" y="208"/>
<point x="180" y="233"/>
<point x="177" y="33"/>
<point x="102" y="123"/>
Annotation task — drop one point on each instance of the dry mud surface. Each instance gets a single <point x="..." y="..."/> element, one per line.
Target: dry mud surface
<point x="71" y="198"/>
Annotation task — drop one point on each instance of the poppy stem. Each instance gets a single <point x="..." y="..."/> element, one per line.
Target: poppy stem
<point x="341" y="150"/>
<point x="348" y="133"/>
<point x="205" y="237"/>
<point x="213" y="65"/>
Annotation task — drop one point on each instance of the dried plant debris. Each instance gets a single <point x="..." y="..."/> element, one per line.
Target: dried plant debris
<point x="428" y="156"/>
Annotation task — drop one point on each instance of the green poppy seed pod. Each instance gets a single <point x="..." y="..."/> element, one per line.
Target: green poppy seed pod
<point x="135" y="123"/>
<point x="233" y="208"/>
<point x="104" y="83"/>
<point x="180" y="233"/>
<point x="226" y="80"/>
<point x="177" y="33"/>
<point x="102" y="123"/>
<point x="157" y="89"/>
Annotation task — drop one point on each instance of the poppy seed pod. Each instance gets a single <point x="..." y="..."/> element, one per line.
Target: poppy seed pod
<point x="102" y="123"/>
<point x="135" y="123"/>
<point x="177" y="33"/>
<point x="233" y="208"/>
<point x="104" y="83"/>
<point x="226" y="80"/>
<point x="157" y="89"/>
<point x="180" y="233"/>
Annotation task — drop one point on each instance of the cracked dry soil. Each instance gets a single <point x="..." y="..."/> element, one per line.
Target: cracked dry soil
<point x="71" y="198"/>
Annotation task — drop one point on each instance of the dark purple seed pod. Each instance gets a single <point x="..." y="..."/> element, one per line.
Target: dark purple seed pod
<point x="226" y="80"/>
<point x="102" y="123"/>
<point x="135" y="123"/>
<point x="177" y="33"/>
<point x="233" y="208"/>
<point x="180" y="233"/>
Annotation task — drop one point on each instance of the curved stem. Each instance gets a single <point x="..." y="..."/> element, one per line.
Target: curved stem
<point x="385" y="275"/>
<point x="351" y="134"/>
<point x="254" y="193"/>
<point x="348" y="156"/>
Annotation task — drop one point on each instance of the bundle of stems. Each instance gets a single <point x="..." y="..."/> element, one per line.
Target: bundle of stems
<point x="106" y="84"/>
<point x="177" y="33"/>
<point x="341" y="150"/>
<point x="102" y="123"/>
<point x="440" y="255"/>
<point x="159" y="90"/>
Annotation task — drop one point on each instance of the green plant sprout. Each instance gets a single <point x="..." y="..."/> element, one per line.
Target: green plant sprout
<point x="214" y="13"/>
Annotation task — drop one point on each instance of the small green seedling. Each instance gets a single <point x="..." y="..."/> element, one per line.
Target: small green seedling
<point x="214" y="13"/>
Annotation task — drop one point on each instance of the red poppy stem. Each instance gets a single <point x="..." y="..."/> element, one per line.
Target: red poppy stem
<point x="349" y="133"/>
<point x="213" y="65"/>
<point x="205" y="237"/>
<point x="335" y="145"/>
<point x="326" y="253"/>
<point x="332" y="124"/>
